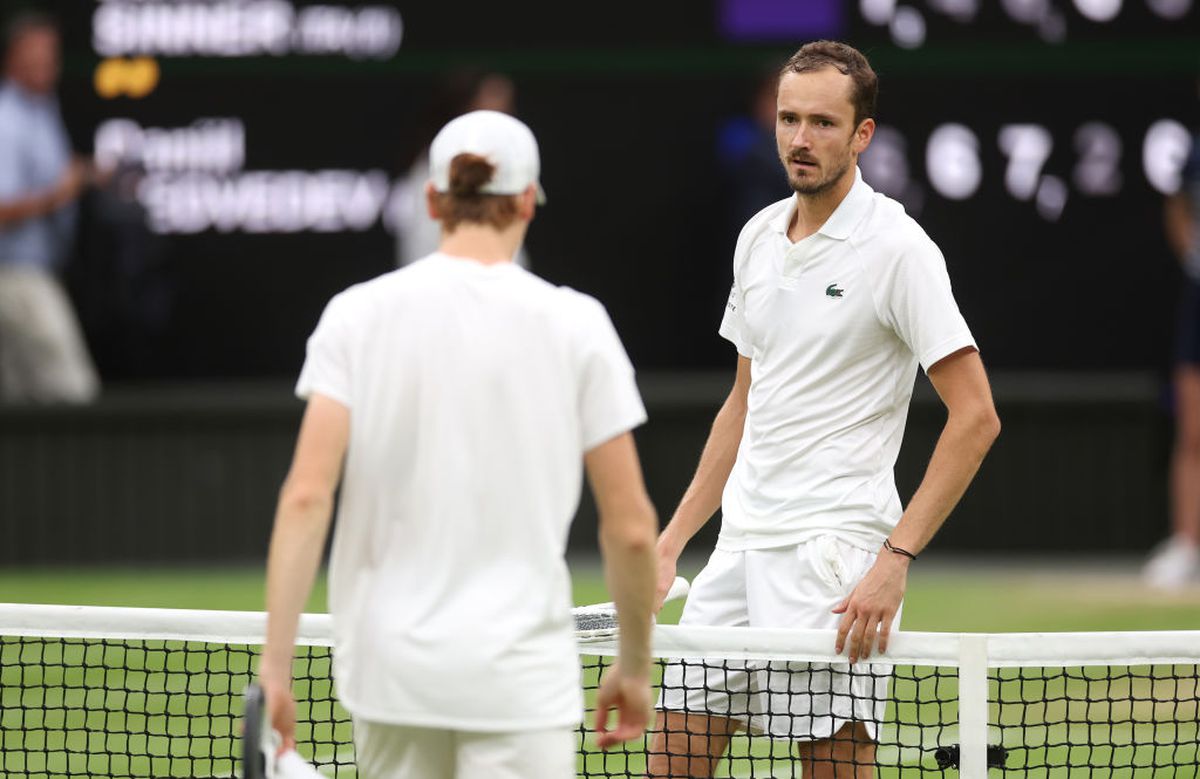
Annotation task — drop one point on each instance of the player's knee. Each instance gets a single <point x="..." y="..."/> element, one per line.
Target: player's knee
<point x="851" y="744"/>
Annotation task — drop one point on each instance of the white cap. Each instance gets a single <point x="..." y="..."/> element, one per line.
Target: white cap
<point x="501" y="139"/>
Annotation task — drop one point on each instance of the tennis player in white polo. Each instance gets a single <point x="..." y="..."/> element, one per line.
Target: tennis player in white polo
<point x="837" y="297"/>
<point x="455" y="400"/>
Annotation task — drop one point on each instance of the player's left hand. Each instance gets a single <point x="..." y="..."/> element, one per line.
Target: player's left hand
<point x="871" y="606"/>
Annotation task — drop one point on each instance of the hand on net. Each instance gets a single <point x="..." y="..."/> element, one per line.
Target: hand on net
<point x="868" y="611"/>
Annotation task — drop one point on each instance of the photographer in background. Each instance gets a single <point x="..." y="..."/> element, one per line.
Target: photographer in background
<point x="43" y="357"/>
<point x="458" y="92"/>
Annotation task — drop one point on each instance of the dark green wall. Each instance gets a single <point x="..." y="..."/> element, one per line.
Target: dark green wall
<point x="193" y="474"/>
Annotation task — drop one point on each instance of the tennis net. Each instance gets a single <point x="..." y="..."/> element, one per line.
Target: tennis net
<point x="107" y="692"/>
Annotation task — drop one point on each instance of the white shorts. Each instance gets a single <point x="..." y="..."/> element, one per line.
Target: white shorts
<point x="784" y="587"/>
<point x="43" y="355"/>
<point x="386" y="751"/>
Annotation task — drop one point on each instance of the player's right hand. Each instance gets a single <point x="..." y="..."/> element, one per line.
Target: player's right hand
<point x="629" y="698"/>
<point x="281" y="708"/>
<point x="666" y="577"/>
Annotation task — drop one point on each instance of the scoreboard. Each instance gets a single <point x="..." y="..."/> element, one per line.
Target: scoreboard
<point x="1033" y="139"/>
<point x="914" y="24"/>
<point x="1036" y="140"/>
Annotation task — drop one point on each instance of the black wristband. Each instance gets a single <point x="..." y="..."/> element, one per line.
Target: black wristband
<point x="888" y="546"/>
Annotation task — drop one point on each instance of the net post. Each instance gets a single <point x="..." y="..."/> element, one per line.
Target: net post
<point x="972" y="705"/>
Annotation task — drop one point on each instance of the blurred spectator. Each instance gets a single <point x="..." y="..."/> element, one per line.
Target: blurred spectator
<point x="1176" y="561"/>
<point x="122" y="281"/>
<point x="43" y="357"/>
<point x="750" y="157"/>
<point x="418" y="234"/>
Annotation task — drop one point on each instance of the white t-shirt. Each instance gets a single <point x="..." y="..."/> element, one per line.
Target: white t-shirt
<point x="835" y="326"/>
<point x="474" y="392"/>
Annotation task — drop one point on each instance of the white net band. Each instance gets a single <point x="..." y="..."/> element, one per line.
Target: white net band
<point x="1004" y="650"/>
<point x="133" y="693"/>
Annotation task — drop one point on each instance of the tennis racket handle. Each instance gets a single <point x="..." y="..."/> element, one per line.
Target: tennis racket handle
<point x="290" y="765"/>
<point x="679" y="589"/>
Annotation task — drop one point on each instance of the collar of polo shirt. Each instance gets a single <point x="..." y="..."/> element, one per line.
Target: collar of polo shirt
<point x="845" y="217"/>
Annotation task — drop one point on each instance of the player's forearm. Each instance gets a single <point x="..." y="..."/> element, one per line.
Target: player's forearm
<point x="628" y="525"/>
<point x="297" y="542"/>
<point x="965" y="440"/>
<point x="629" y="562"/>
<point x="703" y="495"/>
<point x="1181" y="232"/>
<point x="22" y="209"/>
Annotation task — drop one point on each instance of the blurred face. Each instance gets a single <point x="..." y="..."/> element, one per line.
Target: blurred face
<point x="815" y="132"/>
<point x="496" y="93"/>
<point x="33" y="60"/>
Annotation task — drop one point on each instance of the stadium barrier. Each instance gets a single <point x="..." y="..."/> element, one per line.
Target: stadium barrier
<point x="192" y="473"/>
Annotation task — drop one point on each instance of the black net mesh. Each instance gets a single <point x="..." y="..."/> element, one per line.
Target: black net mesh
<point x="134" y="708"/>
<point x="1117" y="722"/>
<point x="1098" y="721"/>
<point x="131" y="708"/>
<point x="738" y="719"/>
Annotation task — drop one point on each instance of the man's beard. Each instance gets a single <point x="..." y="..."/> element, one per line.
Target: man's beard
<point x="809" y="187"/>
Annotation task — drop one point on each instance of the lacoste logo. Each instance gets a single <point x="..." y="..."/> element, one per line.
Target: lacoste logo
<point x="833" y="291"/>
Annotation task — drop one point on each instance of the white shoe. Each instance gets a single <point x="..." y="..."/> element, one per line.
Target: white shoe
<point x="1172" y="565"/>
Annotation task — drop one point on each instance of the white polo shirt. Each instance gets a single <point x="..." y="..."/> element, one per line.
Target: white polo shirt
<point x="835" y="326"/>
<point x="474" y="392"/>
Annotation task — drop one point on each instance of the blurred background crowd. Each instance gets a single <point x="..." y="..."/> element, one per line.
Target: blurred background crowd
<point x="185" y="183"/>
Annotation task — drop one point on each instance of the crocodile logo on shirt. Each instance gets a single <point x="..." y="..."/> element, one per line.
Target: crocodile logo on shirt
<point x="833" y="291"/>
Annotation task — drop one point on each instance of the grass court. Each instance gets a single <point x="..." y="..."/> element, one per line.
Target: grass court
<point x="163" y="709"/>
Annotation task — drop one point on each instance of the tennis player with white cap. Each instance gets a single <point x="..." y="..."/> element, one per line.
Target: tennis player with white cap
<point x="454" y="401"/>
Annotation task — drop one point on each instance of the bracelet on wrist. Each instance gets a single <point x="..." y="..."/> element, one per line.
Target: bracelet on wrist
<point x="897" y="550"/>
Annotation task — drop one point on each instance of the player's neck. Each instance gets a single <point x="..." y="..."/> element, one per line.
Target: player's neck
<point x="483" y="243"/>
<point x="812" y="211"/>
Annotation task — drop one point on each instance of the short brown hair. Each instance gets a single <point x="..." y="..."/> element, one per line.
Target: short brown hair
<point x="849" y="61"/>
<point x="465" y="203"/>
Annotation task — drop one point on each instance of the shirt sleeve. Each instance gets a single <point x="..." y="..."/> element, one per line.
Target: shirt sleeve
<point x="609" y="401"/>
<point x="13" y="185"/>
<point x="327" y="363"/>
<point x="919" y="305"/>
<point x="733" y="323"/>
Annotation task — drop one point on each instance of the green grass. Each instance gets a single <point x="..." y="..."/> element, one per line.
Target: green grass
<point x="64" y="706"/>
<point x="232" y="588"/>
<point x="1043" y="598"/>
<point x="953" y="598"/>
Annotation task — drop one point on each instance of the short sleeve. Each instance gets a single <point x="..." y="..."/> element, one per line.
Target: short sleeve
<point x="609" y="401"/>
<point x="12" y="180"/>
<point x="327" y="362"/>
<point x="919" y="305"/>
<point x="733" y="323"/>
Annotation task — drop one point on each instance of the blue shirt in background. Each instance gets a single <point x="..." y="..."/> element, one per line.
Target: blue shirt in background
<point x="34" y="154"/>
<point x="1189" y="186"/>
